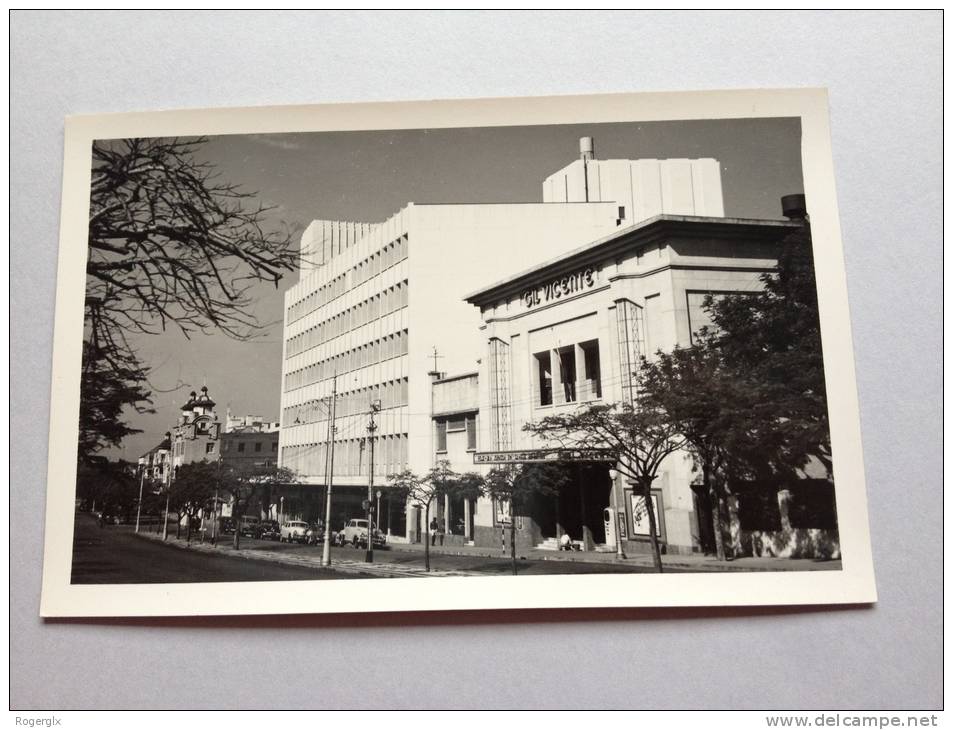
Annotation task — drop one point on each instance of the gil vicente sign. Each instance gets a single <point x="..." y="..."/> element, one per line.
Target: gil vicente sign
<point x="561" y="287"/>
<point x="535" y="456"/>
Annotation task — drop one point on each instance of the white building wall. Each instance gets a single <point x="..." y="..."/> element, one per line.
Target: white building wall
<point x="451" y="250"/>
<point x="652" y="277"/>
<point x="645" y="188"/>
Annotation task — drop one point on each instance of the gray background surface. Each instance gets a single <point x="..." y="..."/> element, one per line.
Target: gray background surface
<point x="884" y="75"/>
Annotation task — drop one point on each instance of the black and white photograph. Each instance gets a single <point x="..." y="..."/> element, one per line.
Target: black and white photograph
<point x="463" y="352"/>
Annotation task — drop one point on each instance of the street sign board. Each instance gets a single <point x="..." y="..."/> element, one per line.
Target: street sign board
<point x="536" y="456"/>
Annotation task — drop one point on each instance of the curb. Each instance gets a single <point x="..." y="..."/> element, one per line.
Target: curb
<point x="379" y="570"/>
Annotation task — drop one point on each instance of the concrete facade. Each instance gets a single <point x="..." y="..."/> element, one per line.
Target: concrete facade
<point x="568" y="332"/>
<point x="641" y="189"/>
<point x="374" y="312"/>
<point x="377" y="301"/>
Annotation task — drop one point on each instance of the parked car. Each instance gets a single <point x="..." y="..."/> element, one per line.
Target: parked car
<point x="315" y="533"/>
<point x="269" y="530"/>
<point x="293" y="531"/>
<point x="355" y="534"/>
<point x="249" y="526"/>
<point x="228" y="526"/>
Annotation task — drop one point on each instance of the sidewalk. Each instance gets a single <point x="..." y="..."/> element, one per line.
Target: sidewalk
<point x="695" y="563"/>
<point x="352" y="567"/>
<point x="701" y="563"/>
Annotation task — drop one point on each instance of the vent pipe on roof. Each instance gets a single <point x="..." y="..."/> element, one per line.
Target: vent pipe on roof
<point x="794" y="207"/>
<point x="586" y="149"/>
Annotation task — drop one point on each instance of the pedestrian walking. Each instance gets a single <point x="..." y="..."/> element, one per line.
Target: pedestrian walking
<point x="433" y="531"/>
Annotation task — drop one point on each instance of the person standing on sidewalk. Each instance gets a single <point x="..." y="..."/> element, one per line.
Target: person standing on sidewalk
<point x="433" y="531"/>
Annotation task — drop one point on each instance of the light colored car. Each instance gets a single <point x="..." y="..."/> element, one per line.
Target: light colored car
<point x="293" y="531"/>
<point x="355" y="533"/>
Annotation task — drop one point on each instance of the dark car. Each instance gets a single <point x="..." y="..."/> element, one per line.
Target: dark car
<point x="269" y="530"/>
<point x="249" y="526"/>
<point x="228" y="526"/>
<point x="315" y="534"/>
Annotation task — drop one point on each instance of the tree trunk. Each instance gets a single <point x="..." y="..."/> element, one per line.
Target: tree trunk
<point x="513" y="536"/>
<point x="236" y="521"/>
<point x="188" y="529"/>
<point x="427" y="537"/>
<point x="178" y="525"/>
<point x="653" y="524"/>
<point x="715" y="500"/>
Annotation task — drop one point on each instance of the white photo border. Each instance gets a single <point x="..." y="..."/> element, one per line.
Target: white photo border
<point x="853" y="584"/>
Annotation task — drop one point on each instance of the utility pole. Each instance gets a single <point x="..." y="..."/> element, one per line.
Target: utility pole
<point x="142" y="477"/>
<point x="329" y="472"/>
<point x="371" y="428"/>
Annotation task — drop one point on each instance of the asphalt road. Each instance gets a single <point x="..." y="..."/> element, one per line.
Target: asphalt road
<point x="115" y="555"/>
<point x="441" y="561"/>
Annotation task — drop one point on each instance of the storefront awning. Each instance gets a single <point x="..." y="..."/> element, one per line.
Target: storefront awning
<point x="535" y="456"/>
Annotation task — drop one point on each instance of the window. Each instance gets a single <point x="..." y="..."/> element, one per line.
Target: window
<point x="456" y="423"/>
<point x="241" y="447"/>
<point x="471" y="433"/>
<point x="258" y="446"/>
<point x="209" y="447"/>
<point x="544" y="379"/>
<point x="590" y="356"/>
<point x="274" y="445"/>
<point x="567" y="373"/>
<point x="441" y="435"/>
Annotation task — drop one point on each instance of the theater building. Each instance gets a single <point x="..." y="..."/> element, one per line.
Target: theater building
<point x="569" y="331"/>
<point x="374" y="301"/>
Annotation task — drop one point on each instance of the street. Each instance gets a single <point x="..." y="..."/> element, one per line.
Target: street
<point x="114" y="554"/>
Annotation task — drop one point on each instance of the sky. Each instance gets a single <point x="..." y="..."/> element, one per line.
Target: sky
<point x="368" y="176"/>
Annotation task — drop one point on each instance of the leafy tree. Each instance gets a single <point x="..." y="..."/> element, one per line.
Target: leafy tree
<point x="440" y="480"/>
<point x="516" y="485"/>
<point x="639" y="436"/>
<point x="193" y="487"/>
<point x="772" y="340"/>
<point x="112" y="485"/>
<point x="726" y="422"/>
<point x="108" y="386"/>
<point x="170" y="244"/>
<point x="247" y="485"/>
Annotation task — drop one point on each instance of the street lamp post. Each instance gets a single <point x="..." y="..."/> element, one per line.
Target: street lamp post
<point x="215" y="518"/>
<point x="165" y="521"/>
<point x="371" y="428"/>
<point x="329" y="471"/>
<point x="619" y="507"/>
<point x="142" y="477"/>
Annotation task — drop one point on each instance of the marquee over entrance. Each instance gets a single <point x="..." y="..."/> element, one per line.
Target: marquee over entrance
<point x="536" y="456"/>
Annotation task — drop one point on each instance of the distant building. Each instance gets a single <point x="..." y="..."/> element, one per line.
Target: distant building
<point x="456" y="404"/>
<point x="247" y="423"/>
<point x="250" y="450"/>
<point x="155" y="463"/>
<point x="196" y="435"/>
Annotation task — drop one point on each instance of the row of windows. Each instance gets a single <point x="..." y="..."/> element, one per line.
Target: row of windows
<point x="365" y="270"/>
<point x="391" y="394"/>
<point x="319" y="297"/>
<point x="360" y="314"/>
<point x="380" y="261"/>
<point x="568" y="374"/>
<point x="351" y="457"/>
<point x="241" y="446"/>
<point x="453" y="424"/>
<point x="370" y="354"/>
